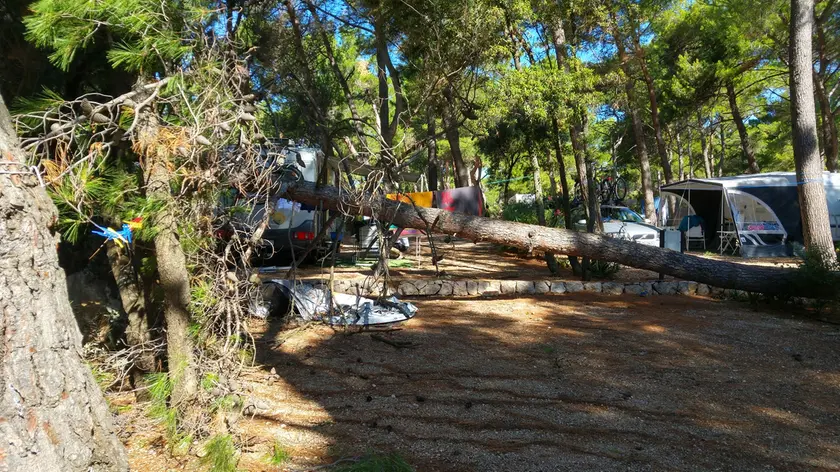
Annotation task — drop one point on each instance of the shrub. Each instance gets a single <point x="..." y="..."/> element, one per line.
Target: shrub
<point x="603" y="269"/>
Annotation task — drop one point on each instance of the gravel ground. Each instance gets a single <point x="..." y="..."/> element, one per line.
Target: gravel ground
<point x="571" y="382"/>
<point x="545" y="383"/>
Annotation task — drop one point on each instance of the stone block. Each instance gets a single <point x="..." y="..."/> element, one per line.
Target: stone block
<point x="507" y="286"/>
<point x="558" y="287"/>
<point x="525" y="286"/>
<point x="459" y="288"/>
<point x="687" y="288"/>
<point x="542" y="286"/>
<point x="665" y="288"/>
<point x="488" y="286"/>
<point x="702" y="290"/>
<point x="574" y="286"/>
<point x="407" y="288"/>
<point x="592" y="286"/>
<point x="612" y="288"/>
<point x="431" y="288"/>
<point x="472" y="287"/>
<point x="446" y="288"/>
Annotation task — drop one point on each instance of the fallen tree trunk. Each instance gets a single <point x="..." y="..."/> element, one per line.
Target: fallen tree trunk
<point x="561" y="241"/>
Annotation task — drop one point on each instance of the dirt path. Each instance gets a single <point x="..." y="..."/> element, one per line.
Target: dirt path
<point x="548" y="383"/>
<point x="576" y="382"/>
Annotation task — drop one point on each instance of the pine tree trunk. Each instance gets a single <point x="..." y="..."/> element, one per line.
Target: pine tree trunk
<point x="812" y="202"/>
<point x="722" y="150"/>
<point x="538" y="197"/>
<point x="661" y="148"/>
<point x="704" y="145"/>
<point x="638" y="131"/>
<point x="752" y="165"/>
<point x="432" y="169"/>
<point x="53" y="417"/>
<point x="172" y="267"/>
<point x="829" y="126"/>
<point x="134" y="304"/>
<point x="453" y="135"/>
<point x="829" y="116"/>
<point x="564" y="186"/>
<point x="680" y="157"/>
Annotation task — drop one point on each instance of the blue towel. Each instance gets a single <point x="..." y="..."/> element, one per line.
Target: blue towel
<point x="689" y="222"/>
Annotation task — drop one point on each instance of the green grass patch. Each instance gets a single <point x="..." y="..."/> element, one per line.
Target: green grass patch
<point x="221" y="454"/>
<point x="279" y="455"/>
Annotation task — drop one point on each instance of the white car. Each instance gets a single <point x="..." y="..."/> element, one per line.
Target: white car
<point x="624" y="223"/>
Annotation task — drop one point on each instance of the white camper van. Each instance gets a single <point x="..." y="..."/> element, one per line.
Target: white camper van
<point x="291" y="225"/>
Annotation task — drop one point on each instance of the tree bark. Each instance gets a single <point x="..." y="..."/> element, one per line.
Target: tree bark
<point x="453" y="136"/>
<point x="538" y="197"/>
<point x="564" y="187"/>
<point x="552" y="182"/>
<point x="680" y="156"/>
<point x="661" y="148"/>
<point x="314" y="110"/>
<point x="638" y="130"/>
<point x="133" y="298"/>
<point x="53" y="417"/>
<point x="722" y="150"/>
<point x="431" y="145"/>
<point x="752" y="166"/>
<point x="339" y="75"/>
<point x="812" y="202"/>
<point x="559" y="241"/>
<point x="829" y="115"/>
<point x="704" y="145"/>
<point x="171" y="265"/>
<point x="829" y="126"/>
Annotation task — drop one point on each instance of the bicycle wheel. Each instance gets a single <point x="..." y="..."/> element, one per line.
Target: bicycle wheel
<point x="620" y="189"/>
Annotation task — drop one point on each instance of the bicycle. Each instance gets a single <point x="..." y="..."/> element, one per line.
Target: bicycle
<point x="613" y="189"/>
<point x="608" y="189"/>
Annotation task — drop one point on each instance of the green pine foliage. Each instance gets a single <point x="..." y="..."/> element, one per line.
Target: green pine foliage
<point x="144" y="33"/>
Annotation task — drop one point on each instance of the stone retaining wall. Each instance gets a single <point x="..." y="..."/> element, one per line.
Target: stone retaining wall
<point x="489" y="288"/>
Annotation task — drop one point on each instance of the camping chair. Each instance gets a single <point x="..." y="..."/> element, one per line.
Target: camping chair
<point x="696" y="234"/>
<point x="692" y="226"/>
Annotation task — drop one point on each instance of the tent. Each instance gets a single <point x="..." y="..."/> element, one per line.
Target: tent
<point x="758" y="212"/>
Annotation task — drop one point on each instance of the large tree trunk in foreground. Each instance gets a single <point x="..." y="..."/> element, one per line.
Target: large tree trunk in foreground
<point x="52" y="414"/>
<point x="172" y="268"/>
<point x="752" y="165"/>
<point x="561" y="241"/>
<point x="815" y="223"/>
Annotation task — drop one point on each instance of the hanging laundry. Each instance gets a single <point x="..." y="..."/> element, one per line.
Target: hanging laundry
<point x="421" y="199"/>
<point x="467" y="200"/>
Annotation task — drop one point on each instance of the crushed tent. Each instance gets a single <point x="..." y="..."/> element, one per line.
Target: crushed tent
<point x="314" y="302"/>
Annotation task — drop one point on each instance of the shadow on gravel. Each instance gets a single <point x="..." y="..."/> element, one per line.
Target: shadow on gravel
<point x="573" y="382"/>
